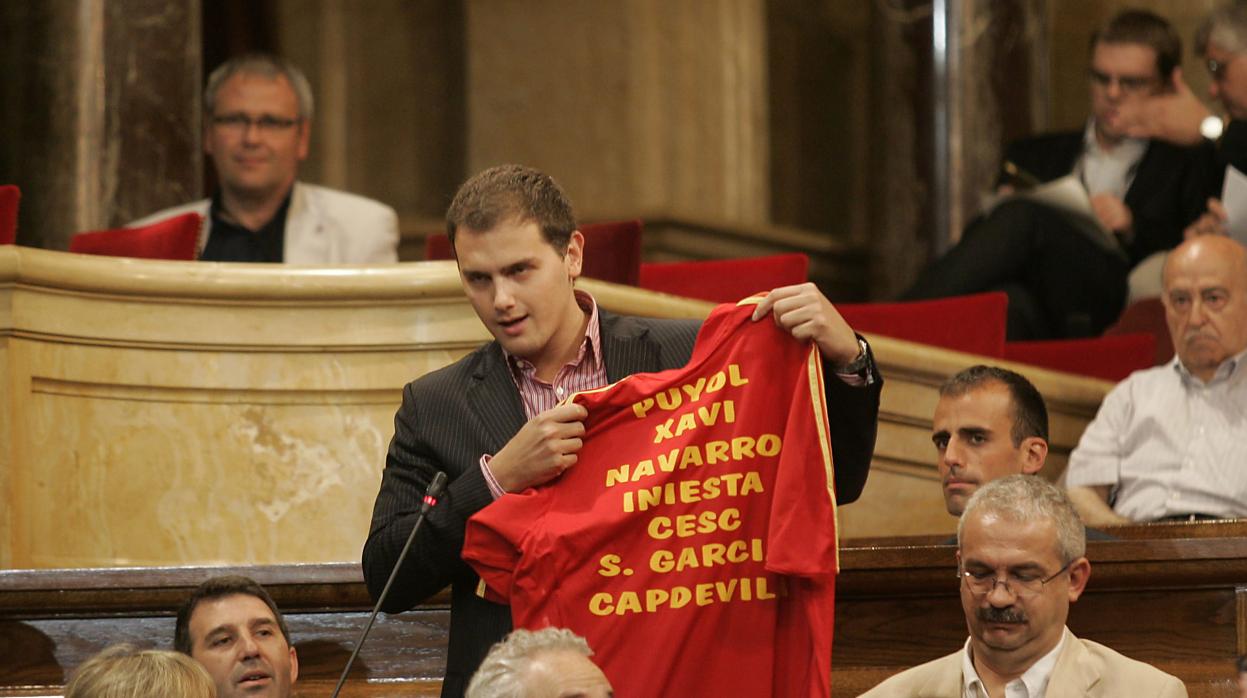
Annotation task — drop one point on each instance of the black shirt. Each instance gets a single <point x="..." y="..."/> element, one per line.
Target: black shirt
<point x="230" y="242"/>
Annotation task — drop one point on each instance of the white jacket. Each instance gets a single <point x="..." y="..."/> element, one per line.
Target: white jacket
<point x="323" y="226"/>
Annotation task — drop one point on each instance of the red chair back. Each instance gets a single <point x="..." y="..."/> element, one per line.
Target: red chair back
<point x="725" y="280"/>
<point x="612" y="251"/>
<point x="974" y="324"/>
<point x="10" y="197"/>
<point x="174" y="238"/>
<point x="1111" y="358"/>
<point x="1146" y="315"/>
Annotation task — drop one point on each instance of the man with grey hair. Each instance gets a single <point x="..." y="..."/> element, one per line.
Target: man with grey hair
<point x="257" y="126"/>
<point x="1021" y="562"/>
<point x="547" y="663"/>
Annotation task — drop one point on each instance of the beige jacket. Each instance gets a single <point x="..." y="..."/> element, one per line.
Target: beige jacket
<point x="1083" y="668"/>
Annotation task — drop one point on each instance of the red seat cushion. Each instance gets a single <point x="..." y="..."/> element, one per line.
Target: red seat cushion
<point x="974" y="324"/>
<point x="725" y="280"/>
<point x="612" y="251"/>
<point x="172" y="238"/>
<point x="1111" y="357"/>
<point x="10" y="197"/>
<point x="1146" y="315"/>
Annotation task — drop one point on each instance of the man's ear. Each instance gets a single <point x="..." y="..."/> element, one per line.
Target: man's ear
<point x="305" y="137"/>
<point x="294" y="664"/>
<point x="1034" y="454"/>
<point x="1079" y="575"/>
<point x="575" y="255"/>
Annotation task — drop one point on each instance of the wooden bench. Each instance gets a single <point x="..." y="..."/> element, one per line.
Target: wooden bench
<point x="1178" y="602"/>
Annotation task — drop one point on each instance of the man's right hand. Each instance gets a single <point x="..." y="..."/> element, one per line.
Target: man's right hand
<point x="542" y="449"/>
<point x="1212" y="222"/>
<point x="1173" y="116"/>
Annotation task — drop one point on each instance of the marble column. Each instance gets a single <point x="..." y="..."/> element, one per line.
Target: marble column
<point x="996" y="91"/>
<point x="635" y="105"/>
<point x="99" y="107"/>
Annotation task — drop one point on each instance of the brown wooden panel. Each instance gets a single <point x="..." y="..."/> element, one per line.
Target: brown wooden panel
<point x="1173" y="602"/>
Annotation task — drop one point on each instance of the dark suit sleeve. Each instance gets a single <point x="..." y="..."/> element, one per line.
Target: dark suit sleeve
<point x="412" y="461"/>
<point x="853" y="422"/>
<point x="1167" y="194"/>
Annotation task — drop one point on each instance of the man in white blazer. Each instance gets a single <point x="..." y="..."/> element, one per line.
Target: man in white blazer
<point x="1021" y="563"/>
<point x="257" y="125"/>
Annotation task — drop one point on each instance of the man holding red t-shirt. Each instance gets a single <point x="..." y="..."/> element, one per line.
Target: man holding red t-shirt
<point x="492" y="422"/>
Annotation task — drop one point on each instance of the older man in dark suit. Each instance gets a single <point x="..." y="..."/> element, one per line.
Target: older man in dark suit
<point x="1067" y="279"/>
<point x="492" y="421"/>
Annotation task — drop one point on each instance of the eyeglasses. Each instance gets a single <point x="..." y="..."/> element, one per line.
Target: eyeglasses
<point x="1129" y="84"/>
<point x="241" y="123"/>
<point x="1217" y="68"/>
<point x="982" y="583"/>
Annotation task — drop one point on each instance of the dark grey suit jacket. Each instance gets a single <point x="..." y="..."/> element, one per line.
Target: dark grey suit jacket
<point x="453" y="415"/>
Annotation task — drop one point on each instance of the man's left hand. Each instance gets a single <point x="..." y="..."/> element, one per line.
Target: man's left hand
<point x="806" y="314"/>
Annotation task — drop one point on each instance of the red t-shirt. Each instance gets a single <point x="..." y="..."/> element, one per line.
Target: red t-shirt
<point x="694" y="543"/>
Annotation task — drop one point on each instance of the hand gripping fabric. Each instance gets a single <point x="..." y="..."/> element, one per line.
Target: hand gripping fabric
<point x="694" y="542"/>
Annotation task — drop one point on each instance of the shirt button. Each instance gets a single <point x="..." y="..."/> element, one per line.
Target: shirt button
<point x="559" y="392"/>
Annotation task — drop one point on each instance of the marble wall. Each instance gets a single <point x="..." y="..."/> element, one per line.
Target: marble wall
<point x="99" y="107"/>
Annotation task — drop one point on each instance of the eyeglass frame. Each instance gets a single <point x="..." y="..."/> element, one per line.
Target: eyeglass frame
<point x="965" y="576"/>
<point x="1130" y="84"/>
<point x="1216" y="68"/>
<point x="266" y="123"/>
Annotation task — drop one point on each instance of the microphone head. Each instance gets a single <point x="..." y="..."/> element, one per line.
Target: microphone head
<point x="438" y="484"/>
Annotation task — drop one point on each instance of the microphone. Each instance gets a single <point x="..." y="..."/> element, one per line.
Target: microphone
<point x="430" y="499"/>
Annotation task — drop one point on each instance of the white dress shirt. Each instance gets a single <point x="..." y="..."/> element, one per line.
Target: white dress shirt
<point x="1032" y="684"/>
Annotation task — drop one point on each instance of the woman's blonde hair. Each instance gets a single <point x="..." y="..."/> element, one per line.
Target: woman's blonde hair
<point x="124" y="671"/>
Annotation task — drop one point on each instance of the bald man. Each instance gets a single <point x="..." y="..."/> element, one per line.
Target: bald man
<point x="1166" y="443"/>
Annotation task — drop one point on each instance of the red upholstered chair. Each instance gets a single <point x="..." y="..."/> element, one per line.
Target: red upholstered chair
<point x="1111" y="358"/>
<point x="173" y="238"/>
<point x="974" y="324"/>
<point x="612" y="251"/>
<point x="1146" y="315"/>
<point x="10" y="197"/>
<point x="437" y="246"/>
<point x="725" y="280"/>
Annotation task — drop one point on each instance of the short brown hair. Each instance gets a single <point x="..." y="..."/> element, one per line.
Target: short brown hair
<point x="512" y="191"/>
<point x="217" y="588"/>
<point x="124" y="671"/>
<point x="1146" y="28"/>
<point x="1030" y="415"/>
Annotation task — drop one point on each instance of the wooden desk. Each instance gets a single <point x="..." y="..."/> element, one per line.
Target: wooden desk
<point x="1177" y="603"/>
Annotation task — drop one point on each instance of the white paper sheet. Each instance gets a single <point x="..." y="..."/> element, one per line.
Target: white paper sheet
<point x="1234" y="197"/>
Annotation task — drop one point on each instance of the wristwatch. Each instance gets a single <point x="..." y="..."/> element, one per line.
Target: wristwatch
<point x="859" y="362"/>
<point x="1211" y="127"/>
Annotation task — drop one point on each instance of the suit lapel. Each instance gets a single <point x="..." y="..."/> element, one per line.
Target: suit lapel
<point x="1076" y="672"/>
<point x="494" y="398"/>
<point x="304" y="242"/>
<point x="627" y="347"/>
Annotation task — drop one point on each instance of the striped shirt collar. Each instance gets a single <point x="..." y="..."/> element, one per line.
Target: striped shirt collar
<point x="585" y="372"/>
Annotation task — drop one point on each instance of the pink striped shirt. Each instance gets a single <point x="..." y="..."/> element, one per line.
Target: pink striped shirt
<point x="585" y="372"/>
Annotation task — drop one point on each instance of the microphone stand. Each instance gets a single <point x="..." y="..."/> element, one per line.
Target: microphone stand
<point x="430" y="499"/>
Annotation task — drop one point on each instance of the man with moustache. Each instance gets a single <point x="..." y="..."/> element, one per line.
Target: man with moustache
<point x="1066" y="277"/>
<point x="1166" y="443"/>
<point x="231" y="626"/>
<point x="1021" y="563"/>
<point x="257" y="126"/>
